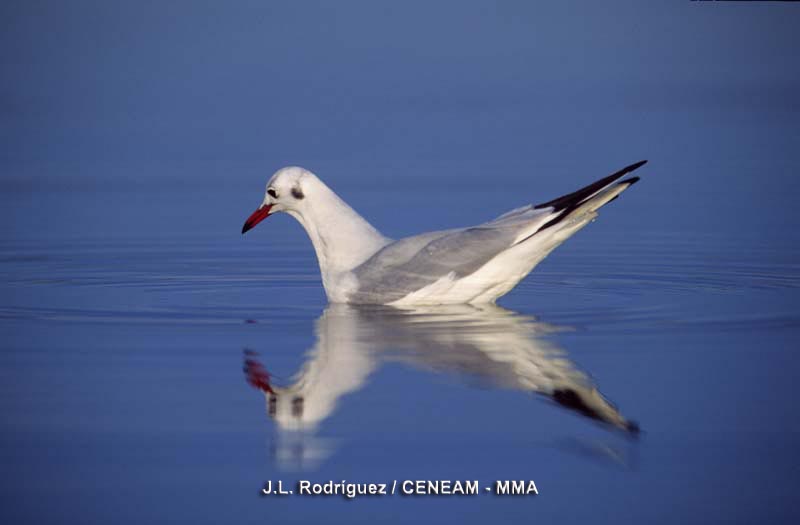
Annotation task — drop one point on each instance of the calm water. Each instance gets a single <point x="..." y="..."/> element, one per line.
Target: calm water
<point x="126" y="320"/>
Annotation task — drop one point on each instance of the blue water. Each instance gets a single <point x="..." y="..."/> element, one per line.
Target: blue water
<point x="126" y="318"/>
<point x="136" y="137"/>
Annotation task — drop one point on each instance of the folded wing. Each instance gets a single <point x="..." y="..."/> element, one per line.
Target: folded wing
<point x="410" y="264"/>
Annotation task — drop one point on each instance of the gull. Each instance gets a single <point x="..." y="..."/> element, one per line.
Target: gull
<point x="473" y="265"/>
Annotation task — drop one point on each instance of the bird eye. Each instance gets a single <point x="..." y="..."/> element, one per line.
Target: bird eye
<point x="272" y="193"/>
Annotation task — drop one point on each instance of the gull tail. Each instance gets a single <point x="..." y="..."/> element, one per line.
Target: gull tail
<point x="587" y="200"/>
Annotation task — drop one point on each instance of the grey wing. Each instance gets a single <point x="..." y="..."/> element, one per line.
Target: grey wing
<point x="412" y="263"/>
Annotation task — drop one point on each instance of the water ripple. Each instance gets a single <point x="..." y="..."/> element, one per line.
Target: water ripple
<point x="191" y="281"/>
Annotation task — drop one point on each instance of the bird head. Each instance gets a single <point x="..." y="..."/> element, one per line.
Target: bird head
<point x="286" y="191"/>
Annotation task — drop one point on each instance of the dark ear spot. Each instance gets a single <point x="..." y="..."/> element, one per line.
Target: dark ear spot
<point x="297" y="193"/>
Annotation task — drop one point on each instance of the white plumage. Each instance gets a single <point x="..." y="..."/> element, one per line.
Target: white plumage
<point x="468" y="265"/>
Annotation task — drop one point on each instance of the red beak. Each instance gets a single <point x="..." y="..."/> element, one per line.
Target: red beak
<point x="259" y="215"/>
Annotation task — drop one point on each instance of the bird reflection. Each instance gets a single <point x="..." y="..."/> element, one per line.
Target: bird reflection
<point x="488" y="343"/>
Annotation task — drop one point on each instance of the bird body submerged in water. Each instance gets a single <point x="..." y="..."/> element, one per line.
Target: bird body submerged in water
<point x="477" y="264"/>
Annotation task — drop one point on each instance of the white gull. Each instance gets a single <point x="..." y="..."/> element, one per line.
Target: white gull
<point x="474" y="265"/>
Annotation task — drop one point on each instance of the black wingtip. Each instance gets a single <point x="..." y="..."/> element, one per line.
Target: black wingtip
<point x="635" y="166"/>
<point x="627" y="169"/>
<point x="571" y="199"/>
<point x="631" y="181"/>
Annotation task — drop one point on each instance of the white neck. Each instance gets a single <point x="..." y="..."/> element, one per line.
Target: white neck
<point x="341" y="237"/>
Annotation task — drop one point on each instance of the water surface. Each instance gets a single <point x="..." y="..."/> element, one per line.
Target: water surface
<point x="126" y="323"/>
